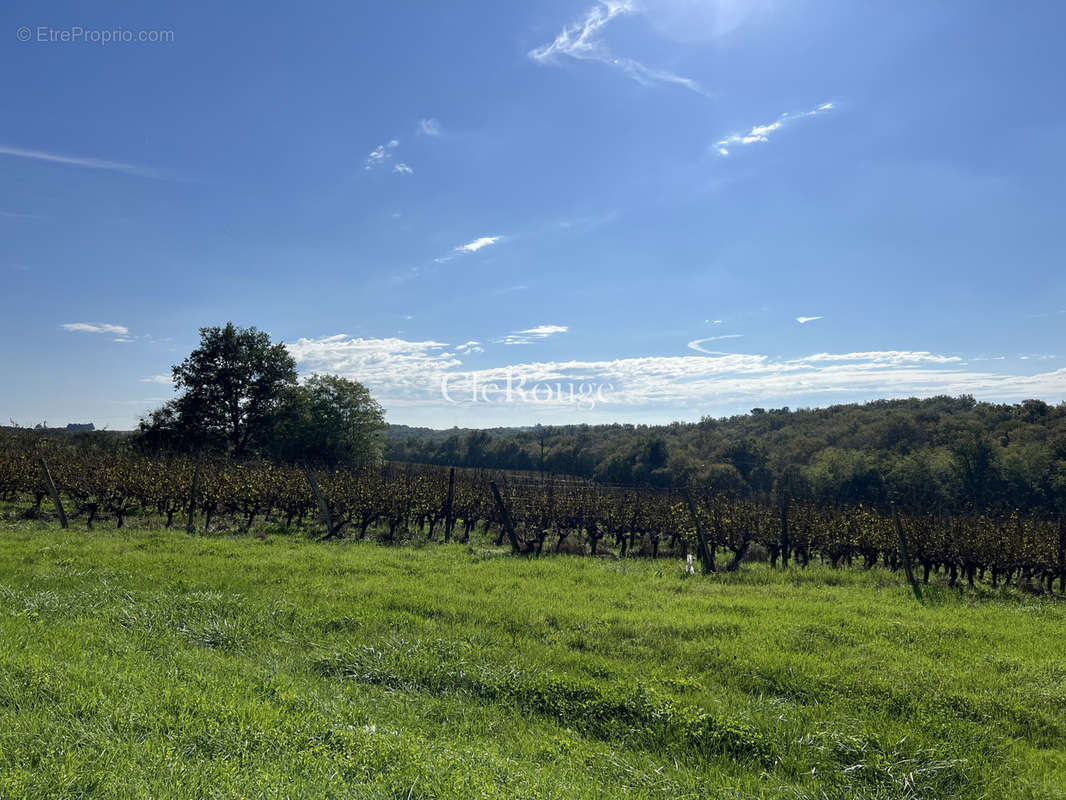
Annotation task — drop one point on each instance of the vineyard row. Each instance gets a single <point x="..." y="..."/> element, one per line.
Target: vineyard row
<point x="535" y="515"/>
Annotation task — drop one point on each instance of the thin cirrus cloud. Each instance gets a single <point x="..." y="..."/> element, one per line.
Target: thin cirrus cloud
<point x="805" y="320"/>
<point x="162" y="380"/>
<point x="530" y="335"/>
<point x="381" y="154"/>
<point x="479" y="243"/>
<point x="880" y="358"/>
<point x="408" y="374"/>
<point x="80" y="161"/>
<point x="429" y="127"/>
<point x="697" y="344"/>
<point x="762" y="133"/>
<point x="580" y="41"/>
<point x="95" y="327"/>
<point x="462" y="250"/>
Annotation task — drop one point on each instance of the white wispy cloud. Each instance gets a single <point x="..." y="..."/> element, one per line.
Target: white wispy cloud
<point x="381" y="154"/>
<point x="409" y="373"/>
<point x="429" y="127"/>
<point x="477" y="244"/>
<point x="880" y="358"/>
<point x="805" y="320"/>
<point x="80" y="161"/>
<point x="470" y="347"/>
<point x="470" y="247"/>
<point x="761" y="133"/>
<point x="530" y="335"/>
<point x="164" y="380"/>
<point x="396" y="368"/>
<point x="95" y="327"/>
<point x="402" y="168"/>
<point x="697" y="344"/>
<point x="580" y="41"/>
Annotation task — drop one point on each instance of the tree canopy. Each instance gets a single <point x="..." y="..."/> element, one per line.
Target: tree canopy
<point x="940" y="452"/>
<point x="329" y="420"/>
<point x="230" y="388"/>
<point x="239" y="394"/>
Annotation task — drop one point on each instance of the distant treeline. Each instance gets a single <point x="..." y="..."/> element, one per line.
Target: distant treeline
<point x="938" y="453"/>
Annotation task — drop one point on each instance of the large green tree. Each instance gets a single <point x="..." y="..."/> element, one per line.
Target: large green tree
<point x="329" y="420"/>
<point x="231" y="387"/>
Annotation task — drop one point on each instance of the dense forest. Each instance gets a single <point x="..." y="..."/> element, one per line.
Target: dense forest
<point x="941" y="452"/>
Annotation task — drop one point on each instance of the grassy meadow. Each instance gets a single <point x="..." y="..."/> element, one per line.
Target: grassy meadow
<point x="141" y="663"/>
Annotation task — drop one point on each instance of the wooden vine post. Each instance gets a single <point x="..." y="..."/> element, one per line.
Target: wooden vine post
<point x="904" y="554"/>
<point x="190" y="525"/>
<point x="706" y="556"/>
<point x="449" y="519"/>
<point x="785" y="544"/>
<point x="323" y="509"/>
<point x="53" y="493"/>
<point x="507" y="524"/>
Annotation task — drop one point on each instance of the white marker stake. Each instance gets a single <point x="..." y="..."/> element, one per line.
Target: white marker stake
<point x="689" y="568"/>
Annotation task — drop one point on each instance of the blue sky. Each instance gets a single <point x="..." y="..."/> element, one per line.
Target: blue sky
<point x="641" y="197"/>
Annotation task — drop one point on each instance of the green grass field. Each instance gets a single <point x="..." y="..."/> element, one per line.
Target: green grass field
<point x="155" y="664"/>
